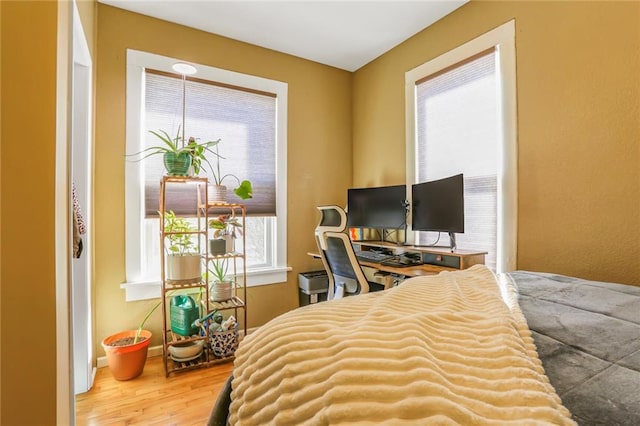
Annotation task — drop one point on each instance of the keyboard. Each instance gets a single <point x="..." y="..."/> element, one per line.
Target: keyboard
<point x="402" y="263"/>
<point x="373" y="256"/>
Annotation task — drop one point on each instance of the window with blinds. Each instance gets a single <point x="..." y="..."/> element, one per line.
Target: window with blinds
<point x="458" y="131"/>
<point x="248" y="114"/>
<point x="244" y="121"/>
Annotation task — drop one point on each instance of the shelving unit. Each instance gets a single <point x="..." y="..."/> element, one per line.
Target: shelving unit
<point x="238" y="301"/>
<point x="200" y="286"/>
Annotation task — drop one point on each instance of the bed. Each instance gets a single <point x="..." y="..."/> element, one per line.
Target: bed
<point x="587" y="334"/>
<point x="465" y="347"/>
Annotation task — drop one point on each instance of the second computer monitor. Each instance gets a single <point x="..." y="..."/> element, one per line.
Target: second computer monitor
<point x="438" y="205"/>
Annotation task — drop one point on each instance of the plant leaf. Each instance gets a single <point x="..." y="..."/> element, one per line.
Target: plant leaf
<point x="245" y="190"/>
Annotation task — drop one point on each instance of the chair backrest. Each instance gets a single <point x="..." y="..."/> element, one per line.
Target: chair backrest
<point x="337" y="254"/>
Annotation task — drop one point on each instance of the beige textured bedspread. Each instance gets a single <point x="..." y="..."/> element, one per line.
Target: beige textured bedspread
<point x="442" y="350"/>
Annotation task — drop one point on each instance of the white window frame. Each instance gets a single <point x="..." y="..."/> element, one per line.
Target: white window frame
<point x="136" y="287"/>
<point x="503" y="39"/>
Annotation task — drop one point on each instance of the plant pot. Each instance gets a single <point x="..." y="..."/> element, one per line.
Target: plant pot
<point x="217" y="193"/>
<point x="221" y="291"/>
<point x="217" y="246"/>
<point x="229" y="243"/>
<point x="177" y="164"/>
<point x="224" y="343"/>
<point x="126" y="360"/>
<point x="184" y="268"/>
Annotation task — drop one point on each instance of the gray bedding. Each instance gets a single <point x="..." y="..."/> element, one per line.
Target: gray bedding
<point x="588" y="337"/>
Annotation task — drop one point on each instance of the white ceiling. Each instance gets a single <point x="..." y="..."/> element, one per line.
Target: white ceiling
<point x="343" y="34"/>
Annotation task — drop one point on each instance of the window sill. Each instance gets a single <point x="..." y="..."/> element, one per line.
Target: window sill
<point x="143" y="290"/>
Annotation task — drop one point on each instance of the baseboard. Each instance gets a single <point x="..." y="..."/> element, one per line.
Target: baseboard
<point x="155" y="351"/>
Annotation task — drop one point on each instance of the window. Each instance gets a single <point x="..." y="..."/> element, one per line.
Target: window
<point x="248" y="115"/>
<point x="461" y="119"/>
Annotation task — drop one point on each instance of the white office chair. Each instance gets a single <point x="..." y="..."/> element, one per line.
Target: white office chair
<point x="345" y="274"/>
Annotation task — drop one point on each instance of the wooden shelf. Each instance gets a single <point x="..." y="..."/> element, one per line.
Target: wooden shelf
<point x="233" y="303"/>
<point x="238" y="260"/>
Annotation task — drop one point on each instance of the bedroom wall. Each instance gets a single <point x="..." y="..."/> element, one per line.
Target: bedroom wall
<point x="28" y="333"/>
<point x="319" y="135"/>
<point x="578" y="127"/>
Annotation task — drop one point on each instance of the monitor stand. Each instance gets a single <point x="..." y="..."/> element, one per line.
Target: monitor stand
<point x="399" y="243"/>
<point x="452" y="241"/>
<point x="404" y="242"/>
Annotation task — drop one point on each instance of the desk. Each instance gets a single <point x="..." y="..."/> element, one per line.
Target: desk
<point x="436" y="260"/>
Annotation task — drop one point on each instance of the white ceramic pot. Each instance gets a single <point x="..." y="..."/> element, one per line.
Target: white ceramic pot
<point x="186" y="350"/>
<point x="186" y="268"/>
<point x="217" y="193"/>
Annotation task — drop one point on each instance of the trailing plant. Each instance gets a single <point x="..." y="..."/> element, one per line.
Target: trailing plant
<point x="198" y="152"/>
<point x="244" y="189"/>
<point x="178" y="232"/>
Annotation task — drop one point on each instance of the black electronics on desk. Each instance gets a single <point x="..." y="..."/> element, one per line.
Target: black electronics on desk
<point x="381" y="207"/>
<point x="438" y="205"/>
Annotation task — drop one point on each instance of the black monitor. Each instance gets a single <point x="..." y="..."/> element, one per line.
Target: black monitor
<point x="382" y="207"/>
<point x="438" y="205"/>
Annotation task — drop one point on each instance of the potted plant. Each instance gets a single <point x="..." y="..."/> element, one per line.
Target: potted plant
<point x="222" y="286"/>
<point x="183" y="257"/>
<point x="180" y="159"/>
<point x="126" y="351"/>
<point x="218" y="191"/>
<point x="225" y="229"/>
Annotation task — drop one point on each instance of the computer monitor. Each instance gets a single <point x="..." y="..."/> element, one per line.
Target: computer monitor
<point x="438" y="205"/>
<point x="382" y="207"/>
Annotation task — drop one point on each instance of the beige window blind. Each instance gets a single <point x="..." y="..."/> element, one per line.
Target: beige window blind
<point x="458" y="132"/>
<point x="245" y="122"/>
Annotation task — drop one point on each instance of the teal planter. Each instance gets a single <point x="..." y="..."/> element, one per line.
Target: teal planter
<point x="177" y="165"/>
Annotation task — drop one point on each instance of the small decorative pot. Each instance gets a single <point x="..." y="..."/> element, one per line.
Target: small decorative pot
<point x="224" y="343"/>
<point x="217" y="247"/>
<point x="221" y="291"/>
<point x="217" y="193"/>
<point x="177" y="165"/>
<point x="229" y="243"/>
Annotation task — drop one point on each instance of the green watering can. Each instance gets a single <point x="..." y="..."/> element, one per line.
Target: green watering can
<point x="183" y="313"/>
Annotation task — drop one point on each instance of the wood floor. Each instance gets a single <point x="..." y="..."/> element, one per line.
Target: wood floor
<point x="151" y="399"/>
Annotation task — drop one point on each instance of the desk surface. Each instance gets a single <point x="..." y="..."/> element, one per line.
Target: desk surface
<point x="423" y="249"/>
<point x="413" y="271"/>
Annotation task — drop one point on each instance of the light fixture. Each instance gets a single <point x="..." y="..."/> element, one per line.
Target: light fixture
<point x="184" y="69"/>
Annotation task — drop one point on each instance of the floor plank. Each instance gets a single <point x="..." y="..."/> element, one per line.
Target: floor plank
<point x="184" y="398"/>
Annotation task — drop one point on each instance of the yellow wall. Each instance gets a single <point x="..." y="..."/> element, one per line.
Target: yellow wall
<point x="578" y="118"/>
<point x="319" y="153"/>
<point x="28" y="309"/>
<point x="578" y="127"/>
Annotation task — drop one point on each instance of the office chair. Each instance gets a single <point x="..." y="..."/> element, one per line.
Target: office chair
<point x="345" y="274"/>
